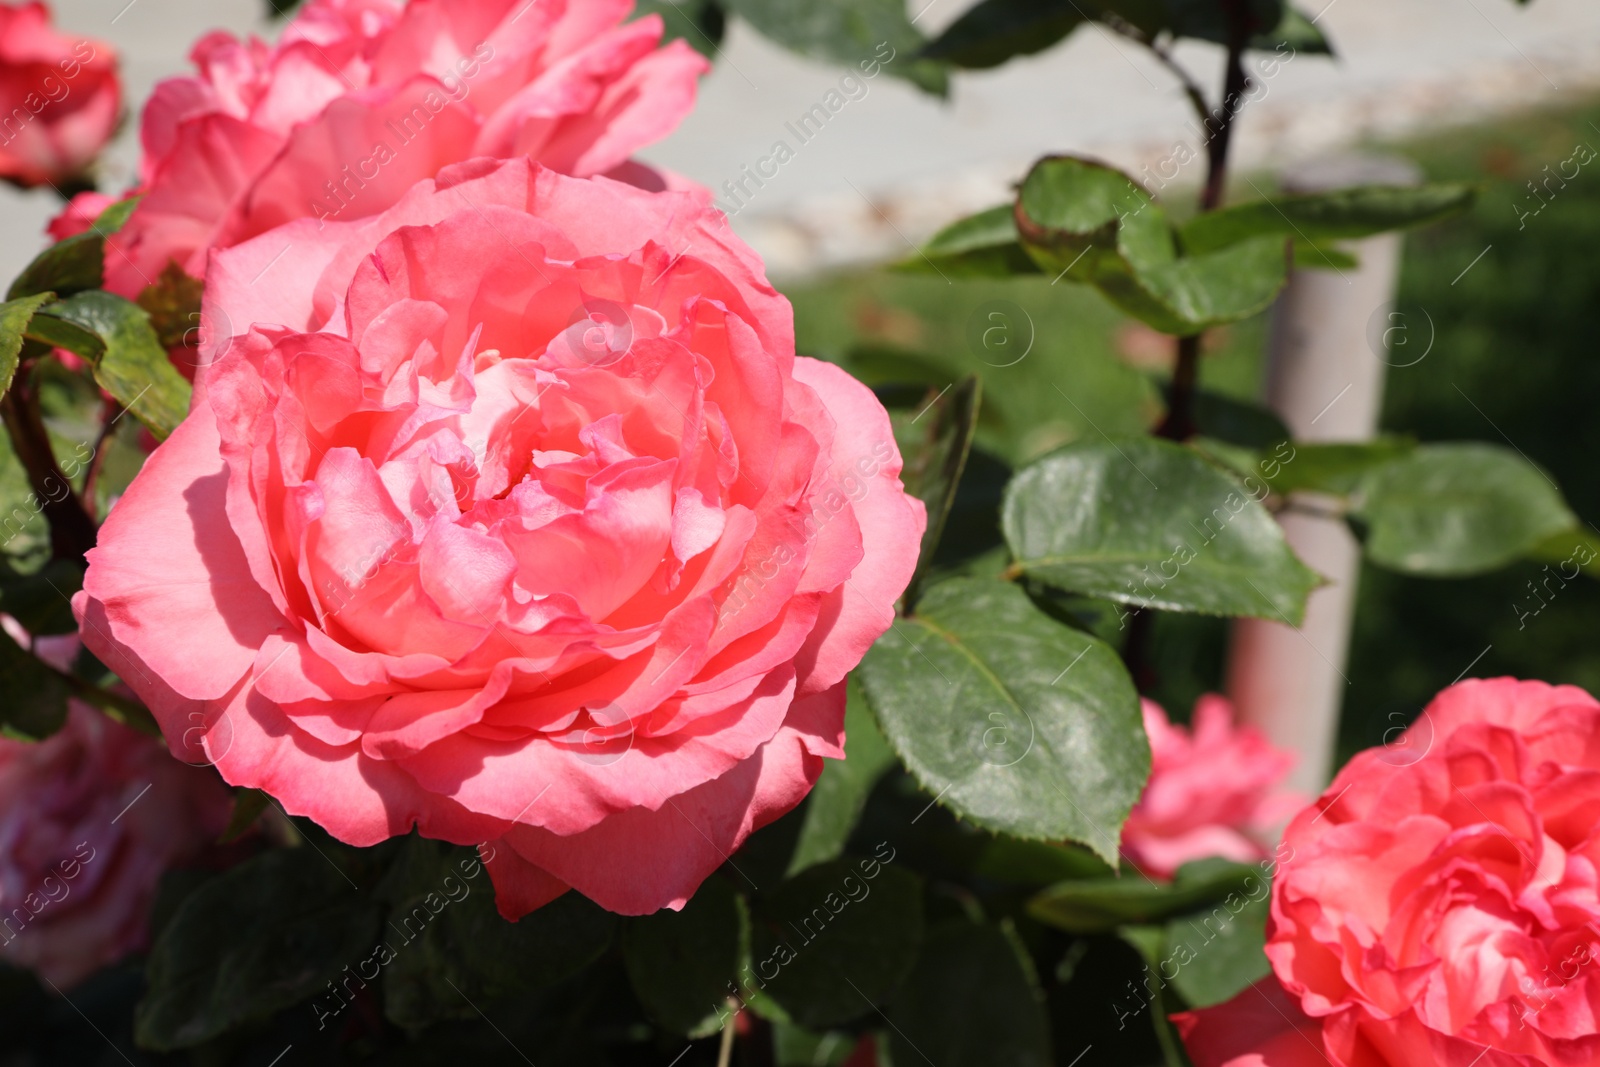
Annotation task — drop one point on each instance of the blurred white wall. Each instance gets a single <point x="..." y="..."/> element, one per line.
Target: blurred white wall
<point x="921" y="161"/>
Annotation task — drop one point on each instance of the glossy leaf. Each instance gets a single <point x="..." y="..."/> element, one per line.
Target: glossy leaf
<point x="684" y="964"/>
<point x="972" y="1002"/>
<point x="1009" y="718"/>
<point x="115" y="335"/>
<point x="832" y="942"/>
<point x="1087" y="222"/>
<point x="1218" y="951"/>
<point x="1342" y="214"/>
<point x="35" y="704"/>
<point x="1147" y="522"/>
<point x="75" y="264"/>
<point x="1458" y="509"/>
<point x="1094" y="905"/>
<point x="859" y="33"/>
<point x="984" y="245"/>
<point x="933" y="470"/>
<point x="835" y="802"/>
<point x="268" y="933"/>
<point x="998" y="30"/>
<point x="15" y="316"/>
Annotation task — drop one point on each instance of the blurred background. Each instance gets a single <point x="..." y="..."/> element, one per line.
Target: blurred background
<point x="1496" y="93"/>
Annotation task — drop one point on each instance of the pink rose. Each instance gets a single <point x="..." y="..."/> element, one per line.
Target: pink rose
<point x="1438" y="904"/>
<point x="361" y="99"/>
<point x="79" y="215"/>
<point x="524" y="526"/>
<point x="89" y="820"/>
<point x="1211" y="792"/>
<point x="59" y="98"/>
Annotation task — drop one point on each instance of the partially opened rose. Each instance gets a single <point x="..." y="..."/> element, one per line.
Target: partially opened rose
<point x="515" y="519"/>
<point x="90" y="819"/>
<point x="1213" y="791"/>
<point x="360" y="99"/>
<point x="60" y="98"/>
<point x="1438" y="904"/>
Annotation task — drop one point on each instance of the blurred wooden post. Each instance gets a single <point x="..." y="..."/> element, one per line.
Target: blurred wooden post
<point x="1333" y="333"/>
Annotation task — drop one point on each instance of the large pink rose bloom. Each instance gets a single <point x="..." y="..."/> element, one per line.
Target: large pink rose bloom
<point x="1212" y="791"/>
<point x="89" y="820"/>
<point x="59" y="98"/>
<point x="361" y="99"/>
<point x="1438" y="904"/>
<point x="525" y="525"/>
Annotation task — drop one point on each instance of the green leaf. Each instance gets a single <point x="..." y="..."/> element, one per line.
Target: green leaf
<point x="35" y="704"/>
<point x="1009" y="718"/>
<point x="972" y="1002"/>
<point x="1330" y="468"/>
<point x="1094" y="905"/>
<point x="49" y="328"/>
<point x="77" y="263"/>
<point x="699" y="22"/>
<point x="867" y="35"/>
<point x="1578" y="548"/>
<point x="1458" y="509"/>
<point x="832" y="942"/>
<point x="998" y="30"/>
<point x="268" y="933"/>
<point x="451" y="948"/>
<point x="15" y="315"/>
<point x="1145" y="521"/>
<point x="1308" y="255"/>
<point x="1219" y="951"/>
<point x="683" y="964"/>
<point x="129" y="363"/>
<point x="835" y="803"/>
<point x="1087" y="222"/>
<point x="1338" y="215"/>
<point x="984" y="245"/>
<point x="933" y="472"/>
<point x="1296" y="32"/>
<point x="1019" y="862"/>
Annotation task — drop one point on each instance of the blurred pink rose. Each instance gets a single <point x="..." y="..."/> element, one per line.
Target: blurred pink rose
<point x="79" y="215"/>
<point x="361" y="99"/>
<point x="547" y="538"/>
<point x="90" y="818"/>
<point x="1212" y="791"/>
<point x="1439" y="904"/>
<point x="59" y="98"/>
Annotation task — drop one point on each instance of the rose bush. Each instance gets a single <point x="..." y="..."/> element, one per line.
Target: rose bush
<point x="89" y="821"/>
<point x="521" y="522"/>
<point x="1438" y="904"/>
<point x="360" y="99"/>
<point x="1211" y="791"/>
<point x="60" y="98"/>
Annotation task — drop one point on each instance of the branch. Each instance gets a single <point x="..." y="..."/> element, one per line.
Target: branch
<point x="72" y="531"/>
